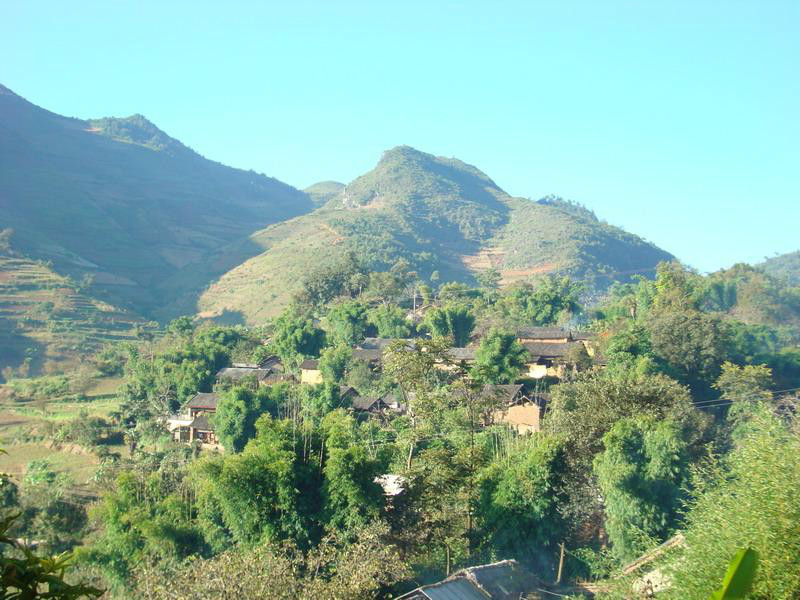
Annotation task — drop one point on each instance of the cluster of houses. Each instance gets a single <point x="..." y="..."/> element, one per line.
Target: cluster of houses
<point x="549" y="350"/>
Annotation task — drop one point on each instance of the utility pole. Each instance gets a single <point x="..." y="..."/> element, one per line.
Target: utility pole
<point x="560" y="564"/>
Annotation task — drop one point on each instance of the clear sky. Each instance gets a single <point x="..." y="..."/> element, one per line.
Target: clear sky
<point x="678" y="120"/>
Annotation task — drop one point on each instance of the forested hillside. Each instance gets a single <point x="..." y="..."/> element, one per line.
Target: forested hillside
<point x="444" y="218"/>
<point x="120" y="200"/>
<point x="785" y="267"/>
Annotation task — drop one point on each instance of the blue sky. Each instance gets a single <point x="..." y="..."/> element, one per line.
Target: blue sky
<point x="676" y="120"/>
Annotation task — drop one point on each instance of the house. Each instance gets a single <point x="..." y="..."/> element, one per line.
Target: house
<point x="372" y="349"/>
<point x="504" y="580"/>
<point x="372" y="356"/>
<point x="544" y="335"/>
<point x="193" y="423"/>
<point x="267" y="372"/>
<point x="522" y="412"/>
<point x="347" y="392"/>
<point x="549" y="359"/>
<point x="242" y="374"/>
<point x="514" y="407"/>
<point x="376" y="406"/>
<point x="376" y="343"/>
<point x="458" y="356"/>
<point x="368" y="405"/>
<point x="309" y="372"/>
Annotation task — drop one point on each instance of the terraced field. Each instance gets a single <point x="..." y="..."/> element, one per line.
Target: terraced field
<point x="47" y="324"/>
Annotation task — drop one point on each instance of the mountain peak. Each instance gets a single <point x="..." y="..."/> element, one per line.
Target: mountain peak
<point x="404" y="174"/>
<point x="137" y="129"/>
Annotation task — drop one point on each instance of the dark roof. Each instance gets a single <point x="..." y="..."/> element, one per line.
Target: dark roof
<point x="368" y="354"/>
<point x="467" y="353"/>
<point x="455" y="589"/>
<point x="272" y="362"/>
<point x="346" y="391"/>
<point x="278" y="377"/>
<point x="365" y="403"/>
<point x="543" y="333"/>
<point x="310" y="364"/>
<point x="201" y="422"/>
<point x="505" y="580"/>
<point x="203" y="400"/>
<point x="583" y="335"/>
<point x="237" y="373"/>
<point x="376" y="343"/>
<point x="505" y="392"/>
<point x="548" y="350"/>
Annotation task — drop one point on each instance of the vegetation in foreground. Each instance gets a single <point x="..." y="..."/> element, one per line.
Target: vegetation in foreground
<point x="686" y="408"/>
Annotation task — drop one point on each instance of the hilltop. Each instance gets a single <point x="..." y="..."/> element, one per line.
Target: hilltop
<point x="122" y="201"/>
<point x="444" y="216"/>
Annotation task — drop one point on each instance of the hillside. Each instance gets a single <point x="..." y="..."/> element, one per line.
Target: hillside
<point x="441" y="215"/>
<point x="785" y="267"/>
<point x="48" y="323"/>
<point x="120" y="200"/>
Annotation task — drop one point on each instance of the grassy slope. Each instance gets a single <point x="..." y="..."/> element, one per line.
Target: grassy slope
<point x="22" y="425"/>
<point x="440" y="214"/>
<point x="121" y="200"/>
<point x="43" y="317"/>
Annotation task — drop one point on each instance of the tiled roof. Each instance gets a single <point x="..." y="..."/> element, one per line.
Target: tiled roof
<point x="203" y="400"/>
<point x="543" y="333"/>
<point x="237" y="373"/>
<point x="309" y="364"/>
<point x="201" y="422"/>
<point x="548" y="350"/>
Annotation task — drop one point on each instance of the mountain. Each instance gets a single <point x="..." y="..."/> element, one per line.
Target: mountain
<point x="120" y="200"/>
<point x="440" y="214"/>
<point x="785" y="267"/>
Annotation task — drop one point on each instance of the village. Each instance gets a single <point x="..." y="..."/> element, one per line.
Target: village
<point x="522" y="405"/>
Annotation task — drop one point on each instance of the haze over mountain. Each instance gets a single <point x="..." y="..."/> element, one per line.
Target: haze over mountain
<point x="121" y="200"/>
<point x="439" y="214"/>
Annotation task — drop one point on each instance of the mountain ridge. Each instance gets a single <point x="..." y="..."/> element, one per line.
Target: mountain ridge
<point x="139" y="204"/>
<point x="441" y="215"/>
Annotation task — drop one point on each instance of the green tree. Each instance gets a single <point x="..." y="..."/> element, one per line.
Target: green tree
<point x="335" y="362"/>
<point x="694" y="344"/>
<point x="29" y="576"/>
<point x="259" y="491"/>
<point x="352" y="498"/>
<point x="584" y="410"/>
<point x="238" y="409"/>
<point x="347" y="322"/>
<point x="748" y="498"/>
<point x="296" y="338"/>
<point x="452" y="321"/>
<point x="520" y="498"/>
<point x="641" y="473"/>
<point x="500" y="358"/>
<point x="390" y="321"/>
<point x="344" y="566"/>
<point x="552" y="300"/>
<point x="489" y="279"/>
